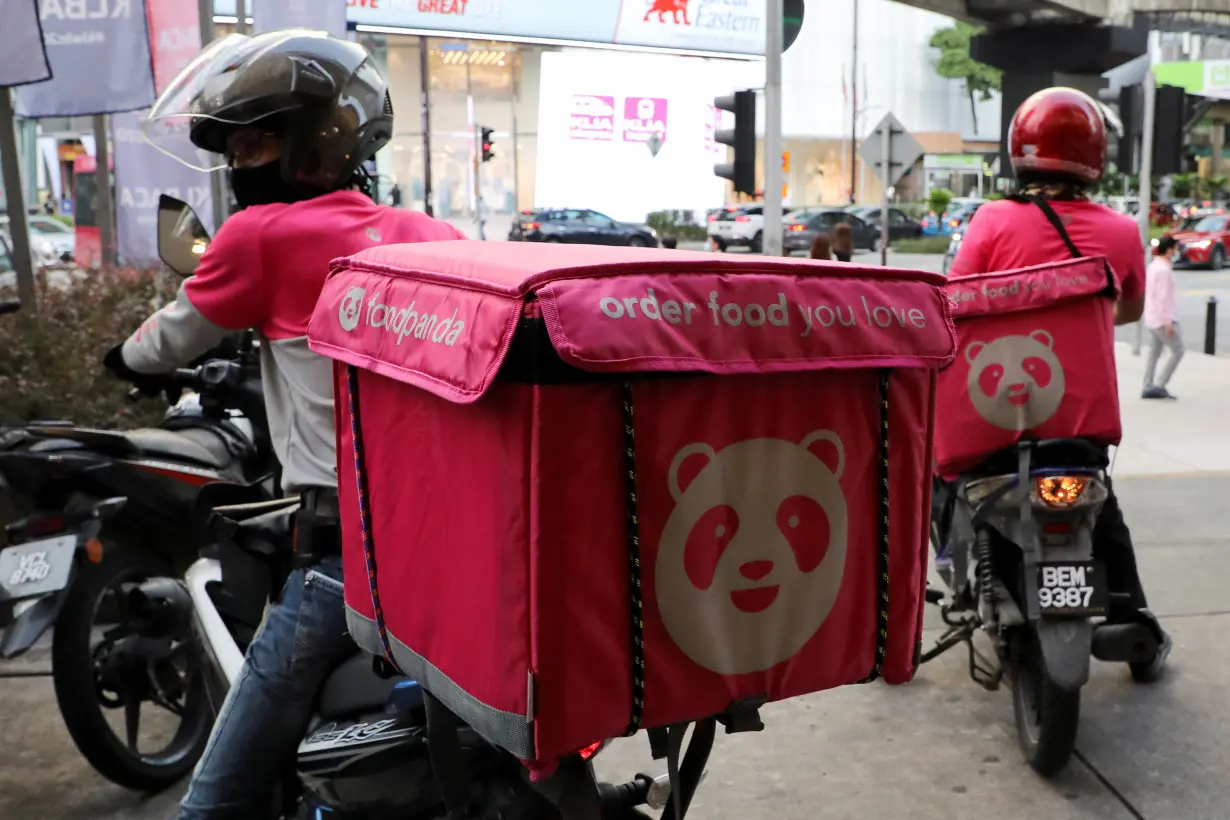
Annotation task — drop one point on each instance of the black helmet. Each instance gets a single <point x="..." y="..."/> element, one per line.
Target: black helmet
<point x="324" y="96"/>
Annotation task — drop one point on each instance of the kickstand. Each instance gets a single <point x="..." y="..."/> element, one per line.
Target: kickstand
<point x="980" y="669"/>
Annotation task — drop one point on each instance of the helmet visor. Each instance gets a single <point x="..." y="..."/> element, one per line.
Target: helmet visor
<point x="198" y="93"/>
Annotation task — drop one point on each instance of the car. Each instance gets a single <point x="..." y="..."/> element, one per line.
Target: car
<point x="519" y="222"/>
<point x="1203" y="241"/>
<point x="957" y="218"/>
<point x="900" y="225"/>
<point x="737" y="225"/>
<point x="581" y="226"/>
<point x="51" y="241"/>
<point x="802" y="227"/>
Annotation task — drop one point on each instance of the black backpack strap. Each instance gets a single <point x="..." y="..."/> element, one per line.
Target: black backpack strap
<point x="1055" y="221"/>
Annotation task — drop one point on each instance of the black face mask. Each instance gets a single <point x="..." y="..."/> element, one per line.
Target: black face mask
<point x="263" y="185"/>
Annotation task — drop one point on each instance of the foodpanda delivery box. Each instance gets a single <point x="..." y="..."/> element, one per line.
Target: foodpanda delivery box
<point x="1036" y="360"/>
<point x="586" y="490"/>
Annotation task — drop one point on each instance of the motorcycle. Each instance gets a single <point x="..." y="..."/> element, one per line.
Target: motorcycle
<point x="106" y="510"/>
<point x="1016" y="558"/>
<point x="950" y="255"/>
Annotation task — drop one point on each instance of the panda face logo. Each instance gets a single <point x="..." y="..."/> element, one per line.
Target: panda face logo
<point x="1015" y="382"/>
<point x="350" y="308"/>
<point x="751" y="559"/>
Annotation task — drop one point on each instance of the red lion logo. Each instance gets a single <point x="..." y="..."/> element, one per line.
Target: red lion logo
<point x="671" y="7"/>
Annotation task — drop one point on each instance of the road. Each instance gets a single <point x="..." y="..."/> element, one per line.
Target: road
<point x="939" y="748"/>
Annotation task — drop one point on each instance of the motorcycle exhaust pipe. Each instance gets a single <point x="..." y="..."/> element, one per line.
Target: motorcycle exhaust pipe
<point x="164" y="607"/>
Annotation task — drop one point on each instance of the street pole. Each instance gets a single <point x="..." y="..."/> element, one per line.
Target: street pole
<point x="102" y="190"/>
<point x="241" y="17"/>
<point x="1146" y="181"/>
<point x="217" y="181"/>
<point x="771" y="243"/>
<point x="887" y="137"/>
<point x="854" y="107"/>
<point x="19" y="228"/>
<point x="425" y="98"/>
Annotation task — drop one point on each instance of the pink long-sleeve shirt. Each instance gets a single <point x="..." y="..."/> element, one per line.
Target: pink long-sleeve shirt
<point x="1159" y="293"/>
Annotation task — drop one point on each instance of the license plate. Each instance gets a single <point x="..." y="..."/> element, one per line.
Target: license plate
<point x="1072" y="588"/>
<point x="36" y="568"/>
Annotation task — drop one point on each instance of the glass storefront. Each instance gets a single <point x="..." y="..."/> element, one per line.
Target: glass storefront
<point x="471" y="85"/>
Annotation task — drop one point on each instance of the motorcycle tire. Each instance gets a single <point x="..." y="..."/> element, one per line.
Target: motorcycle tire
<point x="1047" y="717"/>
<point x="77" y="692"/>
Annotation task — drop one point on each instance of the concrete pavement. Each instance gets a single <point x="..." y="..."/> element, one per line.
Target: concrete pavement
<point x="939" y="748"/>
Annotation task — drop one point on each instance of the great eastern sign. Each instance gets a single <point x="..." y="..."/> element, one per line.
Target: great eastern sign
<point x="735" y="27"/>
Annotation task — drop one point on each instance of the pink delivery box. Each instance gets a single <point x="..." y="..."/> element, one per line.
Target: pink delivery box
<point x="1036" y="360"/>
<point x="587" y="490"/>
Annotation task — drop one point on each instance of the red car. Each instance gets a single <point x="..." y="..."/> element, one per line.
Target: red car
<point x="1203" y="241"/>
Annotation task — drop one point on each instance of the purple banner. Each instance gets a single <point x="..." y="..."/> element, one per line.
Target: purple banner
<point x="142" y="173"/>
<point x="23" y="59"/>
<point x="592" y="118"/>
<point x="644" y="117"/>
<point x="323" y="15"/>
<point x="100" y="60"/>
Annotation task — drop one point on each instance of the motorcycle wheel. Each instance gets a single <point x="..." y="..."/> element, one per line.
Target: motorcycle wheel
<point x="1047" y="717"/>
<point x="84" y="697"/>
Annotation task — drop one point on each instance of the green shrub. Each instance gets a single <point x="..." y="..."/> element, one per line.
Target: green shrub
<point x="923" y="244"/>
<point x="51" y="364"/>
<point x="940" y="197"/>
<point x="681" y="224"/>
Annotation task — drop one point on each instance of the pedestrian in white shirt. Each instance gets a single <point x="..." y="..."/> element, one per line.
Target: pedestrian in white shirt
<point x="1161" y="320"/>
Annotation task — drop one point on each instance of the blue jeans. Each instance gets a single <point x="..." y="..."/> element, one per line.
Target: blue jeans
<point x="267" y="710"/>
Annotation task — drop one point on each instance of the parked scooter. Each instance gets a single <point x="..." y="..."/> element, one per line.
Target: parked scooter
<point x="107" y="510"/>
<point x="1017" y="560"/>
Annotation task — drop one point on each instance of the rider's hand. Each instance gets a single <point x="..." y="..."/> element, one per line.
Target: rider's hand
<point x="149" y="385"/>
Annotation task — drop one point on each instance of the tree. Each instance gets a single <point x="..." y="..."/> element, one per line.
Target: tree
<point x="956" y="64"/>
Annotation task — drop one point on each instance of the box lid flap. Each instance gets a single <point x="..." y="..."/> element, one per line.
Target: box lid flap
<point x="441" y="315"/>
<point x="1031" y="288"/>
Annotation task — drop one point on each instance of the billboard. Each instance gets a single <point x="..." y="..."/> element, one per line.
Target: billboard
<point x="734" y="27"/>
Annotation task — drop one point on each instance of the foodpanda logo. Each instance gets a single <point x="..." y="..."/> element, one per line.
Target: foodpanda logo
<point x="751" y="559"/>
<point x="351" y="309"/>
<point x="1015" y="382"/>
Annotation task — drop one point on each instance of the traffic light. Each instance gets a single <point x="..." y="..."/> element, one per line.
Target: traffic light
<point x="742" y="138"/>
<point x="1169" y="123"/>
<point x="488" y="147"/>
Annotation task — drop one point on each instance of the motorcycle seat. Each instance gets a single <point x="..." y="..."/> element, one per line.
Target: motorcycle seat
<point x="199" y="446"/>
<point x="353" y="688"/>
<point x="1056" y="453"/>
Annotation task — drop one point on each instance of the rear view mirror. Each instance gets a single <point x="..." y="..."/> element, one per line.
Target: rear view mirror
<point x="182" y="238"/>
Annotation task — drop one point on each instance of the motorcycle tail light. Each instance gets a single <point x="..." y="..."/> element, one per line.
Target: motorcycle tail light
<point x="1067" y="492"/>
<point x="591" y="751"/>
<point x="44" y="526"/>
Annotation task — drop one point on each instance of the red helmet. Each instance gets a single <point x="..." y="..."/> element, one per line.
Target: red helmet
<point x="1059" y="131"/>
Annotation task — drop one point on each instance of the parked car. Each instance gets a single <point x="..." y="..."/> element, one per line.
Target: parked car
<point x="581" y="226"/>
<point x="1203" y="241"/>
<point x="51" y="241"/>
<point x="900" y="225"/>
<point x="738" y="225"/>
<point x="801" y="228"/>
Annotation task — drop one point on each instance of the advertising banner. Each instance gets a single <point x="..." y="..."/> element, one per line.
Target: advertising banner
<point x="142" y="172"/>
<point x="100" y="60"/>
<point x="23" y="59"/>
<point x="717" y="26"/>
<point x="323" y="15"/>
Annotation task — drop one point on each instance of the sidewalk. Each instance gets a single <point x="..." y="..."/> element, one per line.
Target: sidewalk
<point x="1190" y="435"/>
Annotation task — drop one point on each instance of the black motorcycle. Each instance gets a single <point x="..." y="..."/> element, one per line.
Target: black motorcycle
<point x="1013" y="540"/>
<point x="107" y="510"/>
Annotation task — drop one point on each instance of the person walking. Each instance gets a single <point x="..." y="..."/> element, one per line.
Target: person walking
<point x="843" y="242"/>
<point x="1160" y="319"/>
<point x="821" y="247"/>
